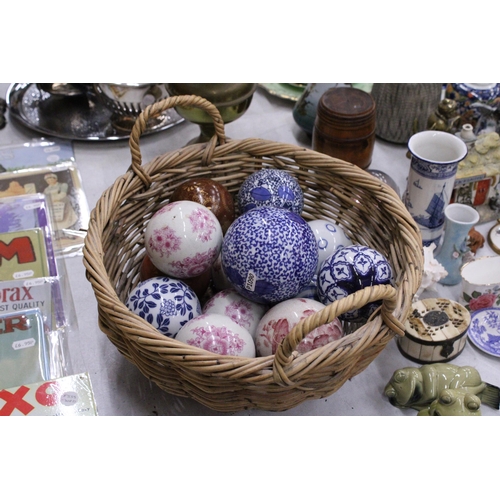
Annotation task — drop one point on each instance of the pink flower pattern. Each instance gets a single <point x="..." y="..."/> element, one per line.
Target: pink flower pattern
<point x="202" y="224"/>
<point x="194" y="266"/>
<point x="483" y="301"/>
<point x="240" y="313"/>
<point x="275" y="331"/>
<point x="164" y="241"/>
<point x="217" y="340"/>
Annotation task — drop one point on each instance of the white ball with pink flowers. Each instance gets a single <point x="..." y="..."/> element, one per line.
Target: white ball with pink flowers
<point x="183" y="239"/>
<point x="278" y="322"/>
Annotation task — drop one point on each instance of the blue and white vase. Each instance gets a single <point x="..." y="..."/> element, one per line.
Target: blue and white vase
<point x="459" y="220"/>
<point x="435" y="156"/>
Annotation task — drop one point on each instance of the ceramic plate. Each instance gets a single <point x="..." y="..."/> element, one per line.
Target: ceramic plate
<point x="484" y="330"/>
<point x="290" y="91"/>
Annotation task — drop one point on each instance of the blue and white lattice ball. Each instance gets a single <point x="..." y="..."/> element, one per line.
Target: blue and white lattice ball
<point x="270" y="187"/>
<point x="166" y="303"/>
<point x="350" y="269"/>
<point x="269" y="254"/>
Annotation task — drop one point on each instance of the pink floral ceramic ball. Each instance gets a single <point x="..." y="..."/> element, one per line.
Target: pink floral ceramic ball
<point x="183" y="239"/>
<point x="278" y="321"/>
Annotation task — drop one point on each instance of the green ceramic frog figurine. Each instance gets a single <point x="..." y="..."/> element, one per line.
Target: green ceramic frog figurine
<point x="453" y="403"/>
<point x="417" y="388"/>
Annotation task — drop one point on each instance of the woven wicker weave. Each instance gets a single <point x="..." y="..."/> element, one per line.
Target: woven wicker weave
<point x="369" y="212"/>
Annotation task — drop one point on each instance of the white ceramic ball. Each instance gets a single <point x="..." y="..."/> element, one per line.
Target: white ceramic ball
<point x="166" y="303"/>
<point x="240" y="309"/>
<point x="277" y="323"/>
<point x="218" y="334"/>
<point x="329" y="236"/>
<point x="183" y="239"/>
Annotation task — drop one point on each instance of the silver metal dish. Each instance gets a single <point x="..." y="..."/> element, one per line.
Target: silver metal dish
<point x="81" y="117"/>
<point x="130" y="99"/>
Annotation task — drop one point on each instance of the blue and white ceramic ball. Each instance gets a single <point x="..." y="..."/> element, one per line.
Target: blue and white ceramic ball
<point x="349" y="269"/>
<point x="269" y="254"/>
<point x="329" y="237"/>
<point x="270" y="187"/>
<point x="166" y="303"/>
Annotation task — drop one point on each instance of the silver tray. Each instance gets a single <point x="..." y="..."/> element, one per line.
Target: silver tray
<point x="82" y="117"/>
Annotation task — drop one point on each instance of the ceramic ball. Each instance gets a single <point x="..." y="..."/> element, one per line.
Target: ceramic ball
<point x="199" y="284"/>
<point x="350" y="269"/>
<point x="166" y="303"/>
<point x="183" y="239"/>
<point x="270" y="188"/>
<point x="280" y="320"/>
<point x="329" y="237"/>
<point x="218" y="334"/>
<point x="269" y="254"/>
<point x="211" y="194"/>
<point x="233" y="305"/>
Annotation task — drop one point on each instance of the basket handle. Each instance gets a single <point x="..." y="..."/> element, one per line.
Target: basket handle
<point x="156" y="109"/>
<point x="283" y="356"/>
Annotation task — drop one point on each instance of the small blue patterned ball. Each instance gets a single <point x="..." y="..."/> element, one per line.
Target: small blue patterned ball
<point x="270" y="187"/>
<point x="269" y="254"/>
<point x="348" y="270"/>
<point x="166" y="303"/>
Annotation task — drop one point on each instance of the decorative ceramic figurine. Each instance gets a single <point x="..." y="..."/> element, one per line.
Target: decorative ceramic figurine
<point x="453" y="403"/>
<point x="417" y="388"/>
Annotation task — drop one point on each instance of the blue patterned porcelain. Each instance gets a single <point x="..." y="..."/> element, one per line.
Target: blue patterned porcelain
<point x="435" y="156"/>
<point x="269" y="254"/>
<point x="165" y="303"/>
<point x="329" y="237"/>
<point x="350" y="269"/>
<point x="270" y="188"/>
<point x="484" y="330"/>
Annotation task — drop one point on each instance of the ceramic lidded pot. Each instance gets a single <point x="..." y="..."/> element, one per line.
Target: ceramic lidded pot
<point x="435" y="331"/>
<point x="345" y="125"/>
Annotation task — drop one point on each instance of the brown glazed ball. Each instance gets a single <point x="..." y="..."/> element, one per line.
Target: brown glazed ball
<point x="212" y="195"/>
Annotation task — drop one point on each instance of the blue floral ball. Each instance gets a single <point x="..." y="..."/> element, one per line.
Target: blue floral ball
<point x="270" y="187"/>
<point x="349" y="269"/>
<point x="166" y="303"/>
<point x="269" y="254"/>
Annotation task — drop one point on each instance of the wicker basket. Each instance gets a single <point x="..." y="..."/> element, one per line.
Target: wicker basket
<point x="369" y="212"/>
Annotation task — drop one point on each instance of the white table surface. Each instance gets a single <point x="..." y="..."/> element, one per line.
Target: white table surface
<point x="119" y="387"/>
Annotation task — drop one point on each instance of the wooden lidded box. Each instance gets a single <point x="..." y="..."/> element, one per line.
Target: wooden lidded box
<point x="435" y="331"/>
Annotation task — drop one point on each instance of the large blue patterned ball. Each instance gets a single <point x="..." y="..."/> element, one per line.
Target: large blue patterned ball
<point x="350" y="269"/>
<point x="269" y="254"/>
<point x="166" y="303"/>
<point x="270" y="187"/>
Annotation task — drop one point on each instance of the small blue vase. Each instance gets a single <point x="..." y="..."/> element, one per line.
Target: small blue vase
<point x="459" y="220"/>
<point x="304" y="111"/>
